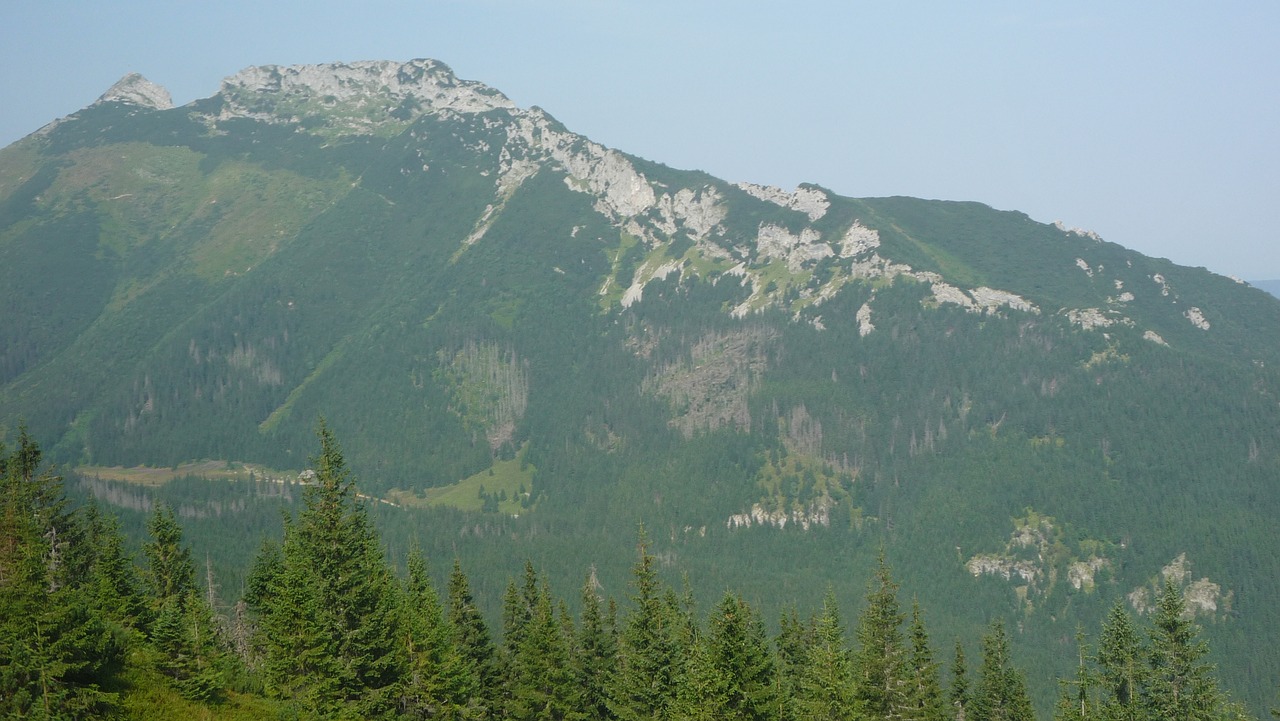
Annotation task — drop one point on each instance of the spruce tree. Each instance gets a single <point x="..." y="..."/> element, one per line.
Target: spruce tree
<point x="881" y="682"/>
<point x="645" y="681"/>
<point x="56" y="649"/>
<point x="596" y="657"/>
<point x="1122" y="667"/>
<point x="474" y="645"/>
<point x="701" y="687"/>
<point x="1078" y="698"/>
<point x="332" y="640"/>
<point x="436" y="683"/>
<point x="959" y="695"/>
<point x="926" y="701"/>
<point x="824" y="688"/>
<point x="1001" y="692"/>
<point x="262" y="591"/>
<point x="541" y="675"/>
<point x="1180" y="683"/>
<point x="184" y="630"/>
<point x="171" y="574"/>
<point x="740" y="656"/>
<point x="192" y="649"/>
<point x="792" y="644"/>
<point x="117" y="589"/>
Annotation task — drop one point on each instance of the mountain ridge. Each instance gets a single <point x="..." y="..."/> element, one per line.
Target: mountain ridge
<point x="776" y="382"/>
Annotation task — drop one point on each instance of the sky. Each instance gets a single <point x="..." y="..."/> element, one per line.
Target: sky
<point x="1156" y="125"/>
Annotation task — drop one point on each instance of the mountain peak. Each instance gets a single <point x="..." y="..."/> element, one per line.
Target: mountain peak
<point x="356" y="95"/>
<point x="137" y="90"/>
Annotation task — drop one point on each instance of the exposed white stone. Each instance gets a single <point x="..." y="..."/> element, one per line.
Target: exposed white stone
<point x="947" y="293"/>
<point x="810" y="201"/>
<point x="1202" y="597"/>
<point x="1084" y="266"/>
<point x="817" y="513"/>
<point x="645" y="273"/>
<point x="1089" y="318"/>
<point x="1154" y="337"/>
<point x="1196" y="317"/>
<point x="511" y="176"/>
<point x="699" y="212"/>
<point x="1164" y="286"/>
<point x="1140" y="600"/>
<point x="1005" y="568"/>
<point x="1077" y="231"/>
<point x="620" y="190"/>
<point x="137" y="90"/>
<point x="774" y="241"/>
<point x="858" y="240"/>
<point x="989" y="299"/>
<point x="1177" y="570"/>
<point x="427" y="81"/>
<point x="1080" y="574"/>
<point x="864" y="320"/>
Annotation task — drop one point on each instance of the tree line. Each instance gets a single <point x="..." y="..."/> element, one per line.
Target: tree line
<point x="326" y="628"/>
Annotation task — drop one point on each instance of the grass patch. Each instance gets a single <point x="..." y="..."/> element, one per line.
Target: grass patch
<point x="503" y="480"/>
<point x="210" y="470"/>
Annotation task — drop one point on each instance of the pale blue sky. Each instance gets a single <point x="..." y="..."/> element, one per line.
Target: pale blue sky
<point x="1156" y="125"/>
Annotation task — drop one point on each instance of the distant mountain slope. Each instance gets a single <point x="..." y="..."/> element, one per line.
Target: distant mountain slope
<point x="1271" y="286"/>
<point x="775" y="382"/>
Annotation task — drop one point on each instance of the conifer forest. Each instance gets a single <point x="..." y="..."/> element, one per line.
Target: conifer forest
<point x="327" y="629"/>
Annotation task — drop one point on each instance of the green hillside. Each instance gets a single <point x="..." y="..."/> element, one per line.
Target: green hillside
<point x="1033" y="423"/>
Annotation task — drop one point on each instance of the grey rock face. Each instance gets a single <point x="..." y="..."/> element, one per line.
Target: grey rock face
<point x="137" y="90"/>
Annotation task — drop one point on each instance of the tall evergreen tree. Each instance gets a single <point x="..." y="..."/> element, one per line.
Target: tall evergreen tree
<point x="541" y="673"/>
<point x="1180" y="684"/>
<point x="596" y="657"/>
<point x="331" y="623"/>
<point x="1122" y="667"/>
<point x="644" y="684"/>
<point x="1001" y="693"/>
<point x="474" y="645"/>
<point x="959" y="696"/>
<point x="192" y="649"/>
<point x="881" y="675"/>
<point x="171" y="573"/>
<point x="1078" y="699"/>
<point x="55" y="645"/>
<point x="117" y="589"/>
<point x="739" y="653"/>
<point x="700" y="687"/>
<point x="926" y="701"/>
<point x="794" y="639"/>
<point x="184" y="630"/>
<point x="824" y="688"/>
<point x="436" y="683"/>
<point x="262" y="589"/>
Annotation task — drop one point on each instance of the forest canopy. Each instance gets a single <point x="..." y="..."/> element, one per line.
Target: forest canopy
<point x="327" y="628"/>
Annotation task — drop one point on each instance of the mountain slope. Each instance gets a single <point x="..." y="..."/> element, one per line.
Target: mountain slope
<point x="1271" y="286"/>
<point x="778" y="382"/>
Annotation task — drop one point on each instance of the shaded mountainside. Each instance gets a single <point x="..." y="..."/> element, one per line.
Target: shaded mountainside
<point x="1271" y="286"/>
<point x="776" y="382"/>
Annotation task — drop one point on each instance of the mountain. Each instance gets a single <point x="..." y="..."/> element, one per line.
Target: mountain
<point x="1271" y="286"/>
<point x="529" y="343"/>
